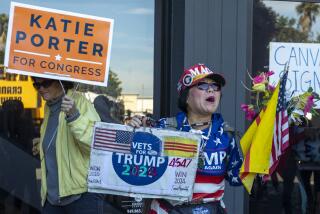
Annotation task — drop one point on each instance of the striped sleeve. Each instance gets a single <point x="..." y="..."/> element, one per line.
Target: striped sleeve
<point x="157" y="208"/>
<point x="208" y="188"/>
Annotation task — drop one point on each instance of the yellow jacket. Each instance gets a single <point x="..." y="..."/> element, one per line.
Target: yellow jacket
<point x="73" y="143"/>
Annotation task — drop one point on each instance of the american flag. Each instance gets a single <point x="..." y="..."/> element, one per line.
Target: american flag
<point x="280" y="141"/>
<point x="112" y="140"/>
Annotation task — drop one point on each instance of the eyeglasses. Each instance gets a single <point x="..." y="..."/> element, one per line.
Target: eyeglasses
<point x="204" y="86"/>
<point x="44" y="84"/>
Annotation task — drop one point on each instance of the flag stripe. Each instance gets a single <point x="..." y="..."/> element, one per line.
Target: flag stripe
<point x="180" y="144"/>
<point x="258" y="119"/>
<point x="244" y="175"/>
<point x="105" y="130"/>
<point x="247" y="161"/>
<point x="112" y="140"/>
<point x="180" y="149"/>
<point x="106" y="135"/>
<point x="112" y="150"/>
<point x="208" y="178"/>
<point x="281" y="136"/>
<point x="112" y="145"/>
<point x="183" y="147"/>
<point x="216" y="195"/>
<point x="105" y="139"/>
<point x="108" y="142"/>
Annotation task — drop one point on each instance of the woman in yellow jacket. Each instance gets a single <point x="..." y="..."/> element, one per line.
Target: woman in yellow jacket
<point x="64" y="147"/>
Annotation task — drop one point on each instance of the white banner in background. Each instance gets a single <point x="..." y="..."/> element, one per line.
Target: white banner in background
<point x="304" y="65"/>
<point x="146" y="162"/>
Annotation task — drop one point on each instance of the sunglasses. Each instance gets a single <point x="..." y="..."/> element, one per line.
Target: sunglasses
<point x="204" y="86"/>
<point x="44" y="84"/>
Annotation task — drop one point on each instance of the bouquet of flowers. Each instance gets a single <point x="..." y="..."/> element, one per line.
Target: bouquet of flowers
<point x="300" y="108"/>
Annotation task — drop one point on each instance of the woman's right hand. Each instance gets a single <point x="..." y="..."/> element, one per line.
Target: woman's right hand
<point x="138" y="121"/>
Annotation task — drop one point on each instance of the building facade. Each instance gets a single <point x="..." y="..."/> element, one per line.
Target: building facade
<point x="137" y="104"/>
<point x="217" y="33"/>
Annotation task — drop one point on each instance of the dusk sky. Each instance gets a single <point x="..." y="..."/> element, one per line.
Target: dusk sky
<point x="132" y="46"/>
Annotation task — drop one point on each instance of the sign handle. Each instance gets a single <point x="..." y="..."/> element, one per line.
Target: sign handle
<point x="64" y="91"/>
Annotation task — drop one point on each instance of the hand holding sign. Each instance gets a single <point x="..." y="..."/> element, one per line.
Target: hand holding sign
<point x="138" y="121"/>
<point x="68" y="106"/>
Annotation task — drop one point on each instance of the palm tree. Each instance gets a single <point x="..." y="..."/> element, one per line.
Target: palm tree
<point x="286" y="31"/>
<point x="308" y="13"/>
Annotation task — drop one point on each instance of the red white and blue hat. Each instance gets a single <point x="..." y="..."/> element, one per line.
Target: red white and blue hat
<point x="195" y="74"/>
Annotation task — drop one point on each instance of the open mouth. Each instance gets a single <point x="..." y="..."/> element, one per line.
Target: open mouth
<point x="210" y="99"/>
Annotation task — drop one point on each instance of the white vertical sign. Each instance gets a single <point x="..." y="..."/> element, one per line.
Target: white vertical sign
<point x="304" y="65"/>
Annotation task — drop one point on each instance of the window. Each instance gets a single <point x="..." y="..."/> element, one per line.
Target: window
<point x="290" y="22"/>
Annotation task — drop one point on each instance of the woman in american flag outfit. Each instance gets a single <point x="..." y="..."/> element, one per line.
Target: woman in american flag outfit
<point x="220" y="158"/>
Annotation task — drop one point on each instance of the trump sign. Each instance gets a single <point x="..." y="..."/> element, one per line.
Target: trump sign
<point x="145" y="162"/>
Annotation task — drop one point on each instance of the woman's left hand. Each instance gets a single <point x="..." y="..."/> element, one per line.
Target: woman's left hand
<point x="68" y="105"/>
<point x="138" y="121"/>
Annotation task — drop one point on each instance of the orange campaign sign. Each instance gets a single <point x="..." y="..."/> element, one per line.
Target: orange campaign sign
<point x="57" y="44"/>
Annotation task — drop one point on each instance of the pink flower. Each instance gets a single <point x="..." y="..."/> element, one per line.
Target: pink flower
<point x="309" y="104"/>
<point x="269" y="73"/>
<point x="249" y="110"/>
<point x="250" y="115"/>
<point x="271" y="88"/>
<point x="261" y="78"/>
<point x="244" y="107"/>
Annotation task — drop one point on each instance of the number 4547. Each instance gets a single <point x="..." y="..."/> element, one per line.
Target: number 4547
<point x="180" y="162"/>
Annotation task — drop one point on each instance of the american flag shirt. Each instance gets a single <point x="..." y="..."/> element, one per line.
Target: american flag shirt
<point x="223" y="159"/>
